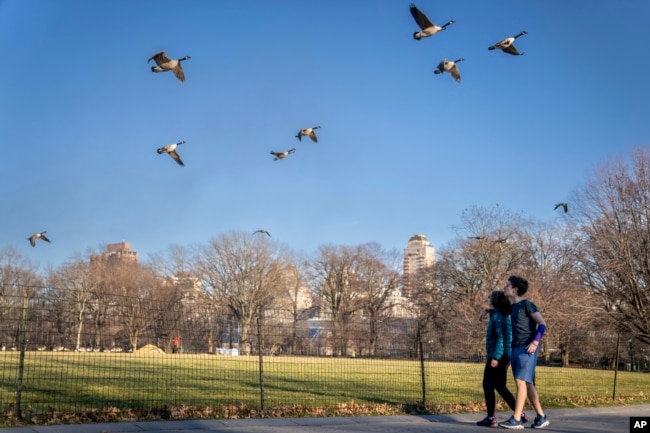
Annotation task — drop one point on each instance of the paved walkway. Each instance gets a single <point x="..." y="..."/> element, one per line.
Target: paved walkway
<point x="600" y="420"/>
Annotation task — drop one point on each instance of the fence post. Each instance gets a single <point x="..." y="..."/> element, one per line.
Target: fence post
<point x="618" y="343"/>
<point x="261" y="362"/>
<point x="23" y="346"/>
<point x="422" y="372"/>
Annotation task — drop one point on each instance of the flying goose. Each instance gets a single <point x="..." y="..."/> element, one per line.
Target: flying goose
<point x="262" y="232"/>
<point x="427" y="27"/>
<point x="41" y="235"/>
<point x="166" y="64"/>
<point x="449" y="66"/>
<point x="280" y="155"/>
<point x="171" y="150"/>
<point x="308" y="132"/>
<point x="476" y="237"/>
<point x="507" y="45"/>
<point x="564" y="206"/>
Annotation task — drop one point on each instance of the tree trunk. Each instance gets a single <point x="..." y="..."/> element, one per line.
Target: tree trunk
<point x="244" y="347"/>
<point x="210" y="340"/>
<point x="79" y="330"/>
<point x="373" y="335"/>
<point x="134" y="342"/>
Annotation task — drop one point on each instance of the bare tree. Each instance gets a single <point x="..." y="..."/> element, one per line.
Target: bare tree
<point x="427" y="300"/>
<point x="242" y="272"/>
<point x="137" y="307"/>
<point x="611" y="213"/>
<point x="176" y="259"/>
<point x="174" y="299"/>
<point x="106" y="295"/>
<point x="378" y="281"/>
<point x="557" y="289"/>
<point x="16" y="271"/>
<point x="73" y="286"/>
<point x="488" y="249"/>
<point x="334" y="279"/>
<point x="178" y="294"/>
<point x="294" y="304"/>
<point x="16" y="275"/>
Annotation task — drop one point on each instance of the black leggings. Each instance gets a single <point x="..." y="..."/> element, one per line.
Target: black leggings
<point x="494" y="378"/>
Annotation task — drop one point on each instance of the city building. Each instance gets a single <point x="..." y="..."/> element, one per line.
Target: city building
<point x="190" y="287"/>
<point x="294" y="298"/>
<point x="419" y="254"/>
<point x="117" y="253"/>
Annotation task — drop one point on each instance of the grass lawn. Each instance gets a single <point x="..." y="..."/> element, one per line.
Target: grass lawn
<point x="75" y="382"/>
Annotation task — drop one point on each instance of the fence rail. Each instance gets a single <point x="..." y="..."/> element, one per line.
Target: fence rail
<point x="126" y="354"/>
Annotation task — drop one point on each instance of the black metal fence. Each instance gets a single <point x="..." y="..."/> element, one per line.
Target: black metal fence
<point x="68" y="351"/>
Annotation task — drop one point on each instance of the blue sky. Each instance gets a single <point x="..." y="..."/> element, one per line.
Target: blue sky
<point x="401" y="151"/>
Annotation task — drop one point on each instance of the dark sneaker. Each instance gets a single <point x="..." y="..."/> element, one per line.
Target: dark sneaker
<point x="512" y="424"/>
<point x="488" y="421"/>
<point x="540" y="422"/>
<point x="524" y="418"/>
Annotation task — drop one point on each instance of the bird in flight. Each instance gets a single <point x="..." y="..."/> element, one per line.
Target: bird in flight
<point x="476" y="237"/>
<point x="165" y="64"/>
<point x="171" y="150"/>
<point x="507" y="45"/>
<point x="264" y="232"/>
<point x="427" y="28"/>
<point x="41" y="235"/>
<point x="564" y="206"/>
<point x="449" y="66"/>
<point x="308" y="132"/>
<point x="280" y="155"/>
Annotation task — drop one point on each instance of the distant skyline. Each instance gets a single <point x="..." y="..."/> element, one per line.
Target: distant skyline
<point x="400" y="151"/>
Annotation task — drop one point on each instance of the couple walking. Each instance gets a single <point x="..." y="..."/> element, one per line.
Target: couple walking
<point x="513" y="333"/>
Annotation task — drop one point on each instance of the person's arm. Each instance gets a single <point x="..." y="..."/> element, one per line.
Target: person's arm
<point x="541" y="328"/>
<point x="499" y="347"/>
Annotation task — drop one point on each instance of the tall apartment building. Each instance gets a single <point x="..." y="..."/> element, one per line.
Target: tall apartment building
<point x="115" y="253"/>
<point x="418" y="255"/>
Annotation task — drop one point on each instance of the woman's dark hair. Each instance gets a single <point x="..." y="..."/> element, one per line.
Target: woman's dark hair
<point x="519" y="283"/>
<point x="500" y="302"/>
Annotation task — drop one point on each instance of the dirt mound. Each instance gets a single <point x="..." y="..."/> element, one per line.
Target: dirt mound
<point x="150" y="349"/>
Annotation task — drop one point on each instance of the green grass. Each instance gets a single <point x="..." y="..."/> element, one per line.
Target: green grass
<point x="76" y="382"/>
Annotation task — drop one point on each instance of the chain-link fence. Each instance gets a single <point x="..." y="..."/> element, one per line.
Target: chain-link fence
<point x="68" y="351"/>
